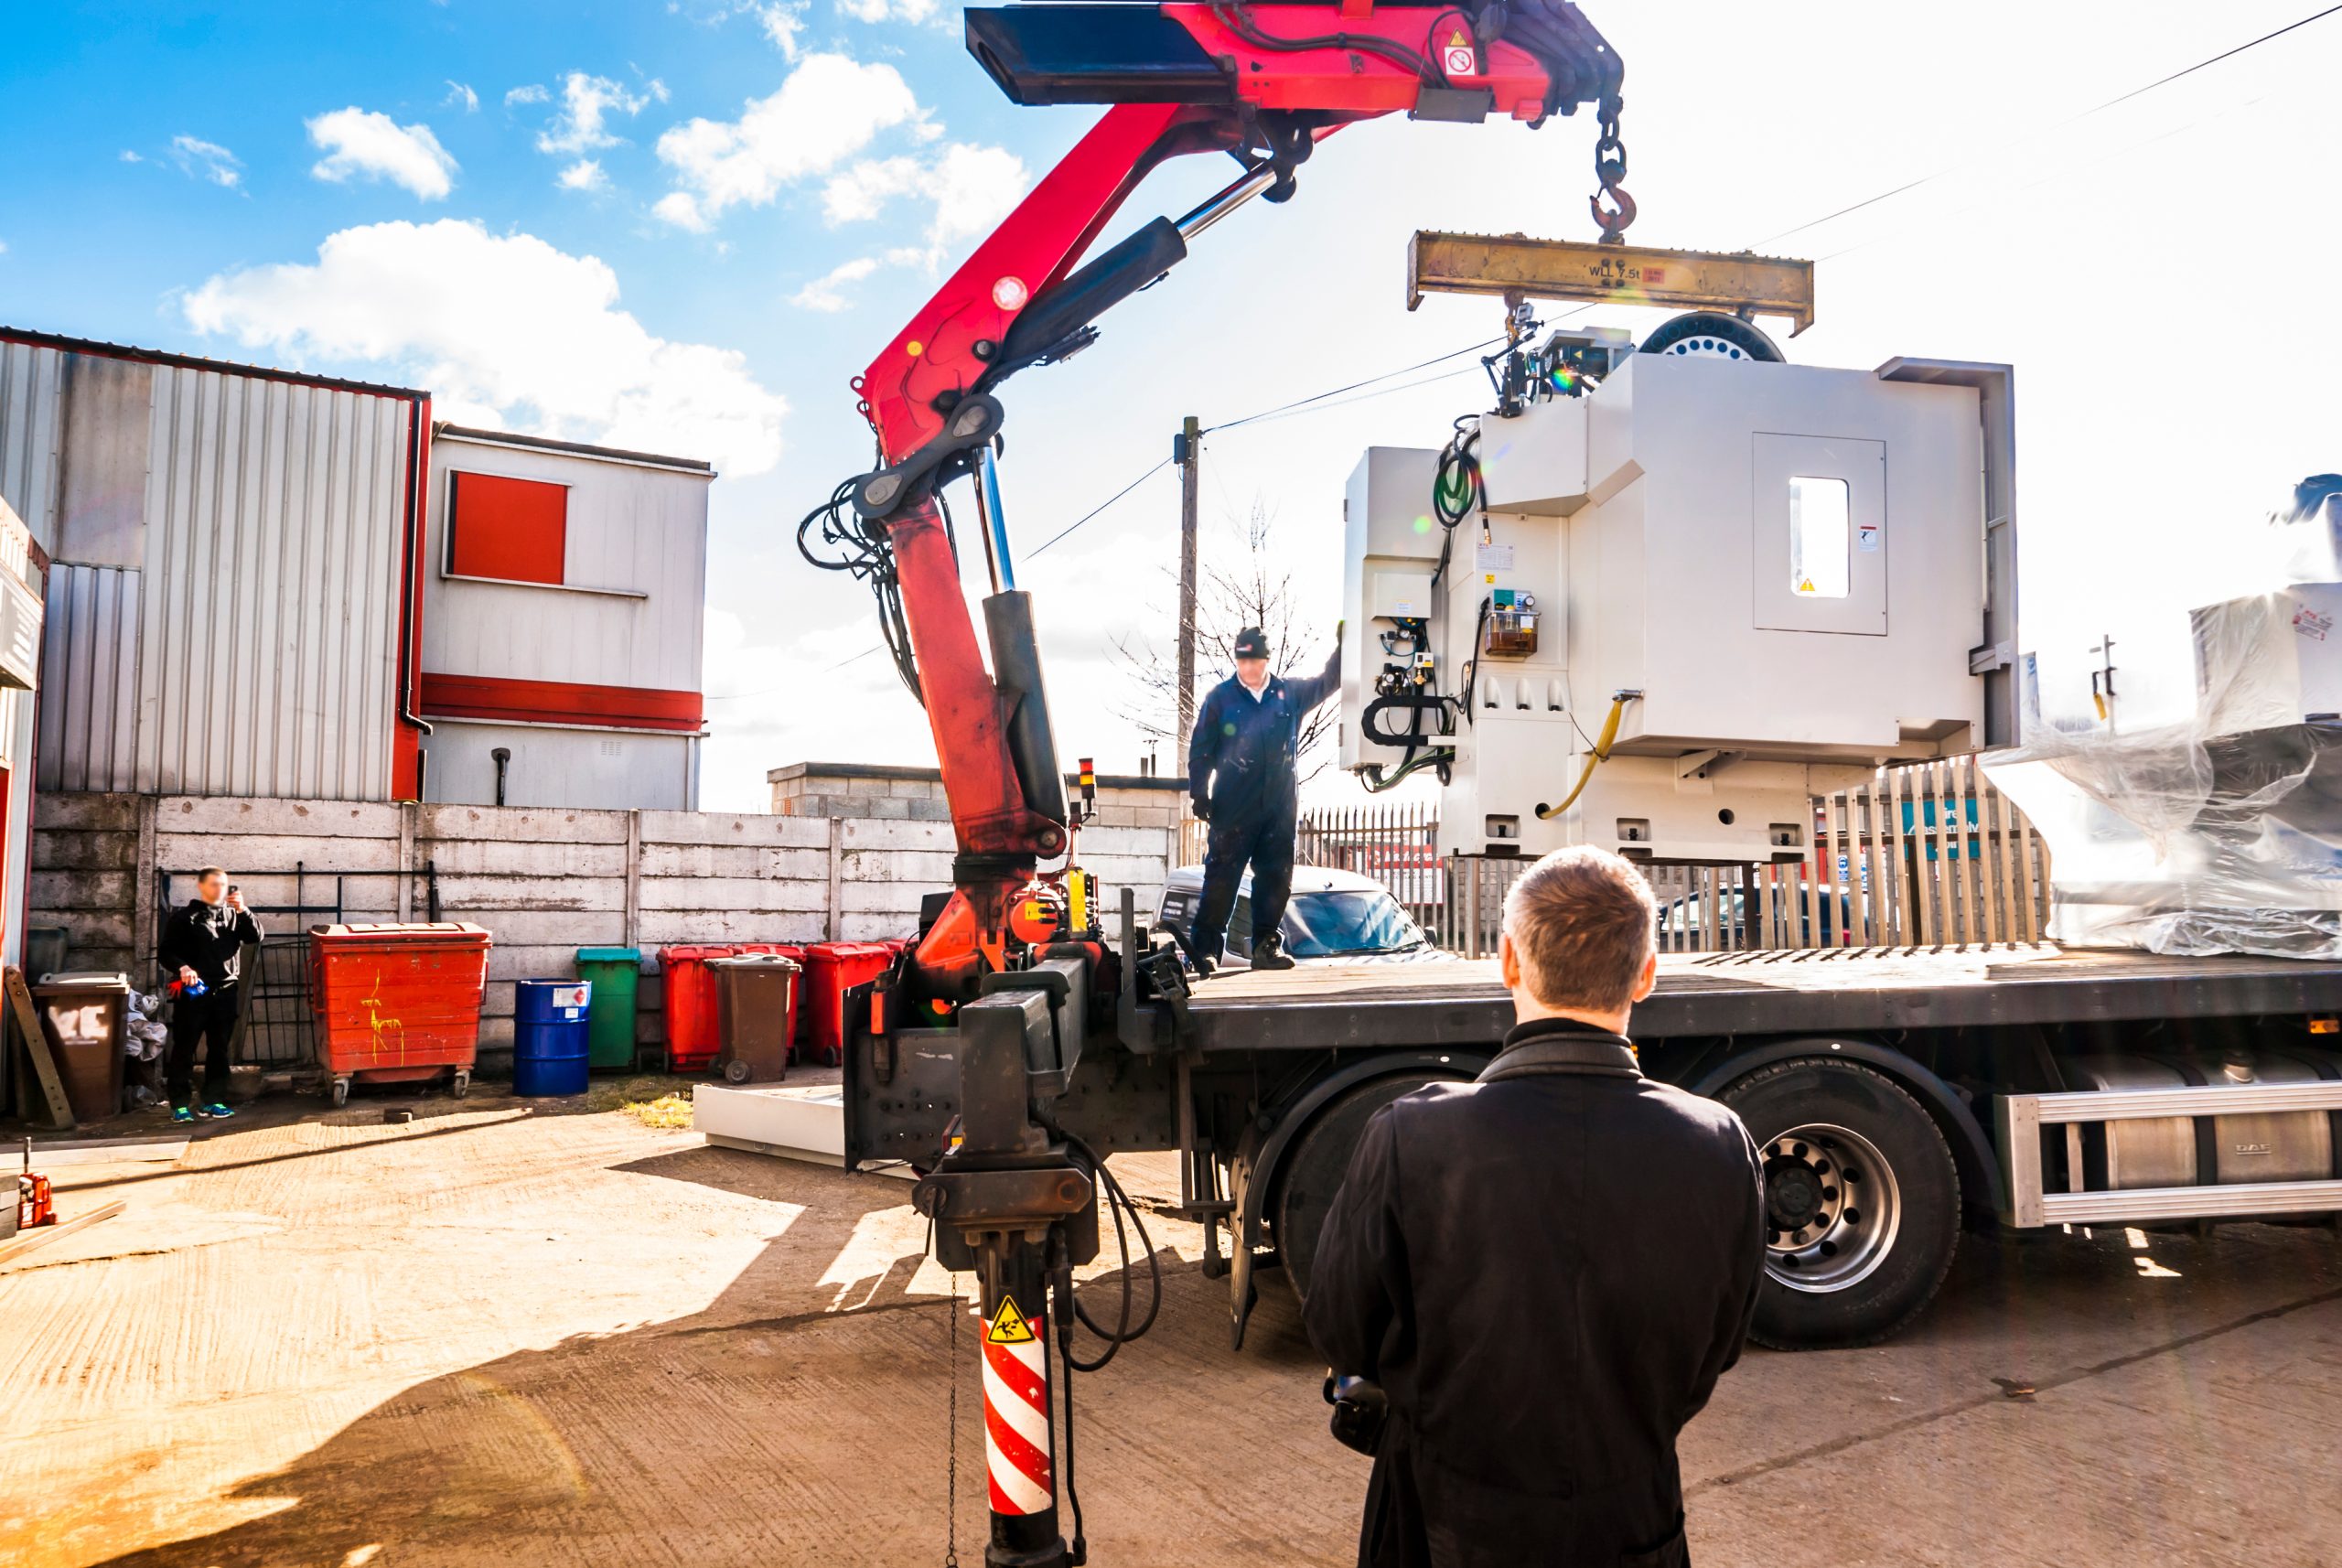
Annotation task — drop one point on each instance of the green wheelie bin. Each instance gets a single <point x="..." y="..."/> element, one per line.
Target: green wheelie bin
<point x="609" y="1020"/>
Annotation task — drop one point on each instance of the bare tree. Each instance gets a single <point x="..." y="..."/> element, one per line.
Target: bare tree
<point x="1251" y="589"/>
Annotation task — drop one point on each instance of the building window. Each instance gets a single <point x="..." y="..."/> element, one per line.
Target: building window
<point x="1820" y="538"/>
<point x="515" y="529"/>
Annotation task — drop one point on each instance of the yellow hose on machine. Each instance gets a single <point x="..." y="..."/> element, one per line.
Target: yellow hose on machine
<point x="1595" y="758"/>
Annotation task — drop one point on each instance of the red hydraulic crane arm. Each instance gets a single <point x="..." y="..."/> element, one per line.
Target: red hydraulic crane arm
<point x="1264" y="82"/>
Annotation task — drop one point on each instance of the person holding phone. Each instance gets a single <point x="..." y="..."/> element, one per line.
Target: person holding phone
<point x="203" y="954"/>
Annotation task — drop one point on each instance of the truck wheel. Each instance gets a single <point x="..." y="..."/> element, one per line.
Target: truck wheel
<point x="1313" y="1169"/>
<point x="1862" y="1203"/>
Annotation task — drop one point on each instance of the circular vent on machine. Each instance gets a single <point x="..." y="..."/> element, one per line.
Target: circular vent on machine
<point x="1711" y="335"/>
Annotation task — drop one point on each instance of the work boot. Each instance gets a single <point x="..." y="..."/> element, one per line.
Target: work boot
<point x="1205" y="967"/>
<point x="1269" y="953"/>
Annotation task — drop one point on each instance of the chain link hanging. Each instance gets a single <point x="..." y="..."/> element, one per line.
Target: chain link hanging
<point x="1609" y="168"/>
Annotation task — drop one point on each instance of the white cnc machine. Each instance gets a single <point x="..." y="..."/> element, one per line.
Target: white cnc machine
<point x="1737" y="583"/>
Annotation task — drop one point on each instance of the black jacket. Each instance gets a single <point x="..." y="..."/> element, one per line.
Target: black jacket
<point x="1243" y="748"/>
<point x="208" y="939"/>
<point x="1546" y="1270"/>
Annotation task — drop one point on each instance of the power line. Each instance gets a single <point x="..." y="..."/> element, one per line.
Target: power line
<point x="1102" y="506"/>
<point x="1337" y="391"/>
<point x="2070" y="120"/>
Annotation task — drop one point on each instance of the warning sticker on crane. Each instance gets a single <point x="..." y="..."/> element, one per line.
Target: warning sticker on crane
<point x="1460" y="60"/>
<point x="1008" y="1325"/>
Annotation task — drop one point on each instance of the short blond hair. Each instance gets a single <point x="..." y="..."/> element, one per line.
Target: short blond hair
<point x="1582" y="922"/>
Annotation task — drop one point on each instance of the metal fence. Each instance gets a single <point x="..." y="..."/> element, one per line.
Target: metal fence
<point x="1926" y="855"/>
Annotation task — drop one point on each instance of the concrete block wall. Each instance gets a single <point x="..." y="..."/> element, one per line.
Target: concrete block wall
<point x="545" y="881"/>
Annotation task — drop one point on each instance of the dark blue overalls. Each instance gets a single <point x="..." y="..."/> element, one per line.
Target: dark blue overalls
<point x="1240" y="773"/>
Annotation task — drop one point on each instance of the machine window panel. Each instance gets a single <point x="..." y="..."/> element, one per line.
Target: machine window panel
<point x="1821" y="537"/>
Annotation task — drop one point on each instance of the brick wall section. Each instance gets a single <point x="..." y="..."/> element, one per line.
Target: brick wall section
<point x="544" y="880"/>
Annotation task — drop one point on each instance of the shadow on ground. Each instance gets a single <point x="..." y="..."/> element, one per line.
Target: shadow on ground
<point x="771" y="1429"/>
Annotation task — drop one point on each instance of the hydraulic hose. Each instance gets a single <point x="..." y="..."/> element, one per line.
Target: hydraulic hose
<point x="1593" y="758"/>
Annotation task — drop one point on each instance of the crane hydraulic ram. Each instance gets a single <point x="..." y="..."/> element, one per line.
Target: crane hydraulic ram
<point x="1264" y="84"/>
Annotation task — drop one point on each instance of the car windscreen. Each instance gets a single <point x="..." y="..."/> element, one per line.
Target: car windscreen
<point x="1322" y="925"/>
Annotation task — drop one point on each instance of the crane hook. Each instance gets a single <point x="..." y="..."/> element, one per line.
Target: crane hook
<point x="1613" y="222"/>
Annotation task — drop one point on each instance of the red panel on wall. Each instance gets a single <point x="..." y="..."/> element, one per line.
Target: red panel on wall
<point x="557" y="702"/>
<point x="515" y="529"/>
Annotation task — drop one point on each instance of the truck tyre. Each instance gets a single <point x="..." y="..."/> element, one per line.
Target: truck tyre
<point x="1313" y="1169"/>
<point x="1862" y="1202"/>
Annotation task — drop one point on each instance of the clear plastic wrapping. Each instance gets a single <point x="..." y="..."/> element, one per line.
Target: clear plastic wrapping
<point x="2221" y="833"/>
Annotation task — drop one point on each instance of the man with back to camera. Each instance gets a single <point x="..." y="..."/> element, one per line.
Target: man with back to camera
<point x="1242" y="779"/>
<point x="1545" y="1270"/>
<point x="203" y="942"/>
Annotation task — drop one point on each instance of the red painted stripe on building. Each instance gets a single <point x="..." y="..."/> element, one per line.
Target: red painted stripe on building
<point x="558" y="702"/>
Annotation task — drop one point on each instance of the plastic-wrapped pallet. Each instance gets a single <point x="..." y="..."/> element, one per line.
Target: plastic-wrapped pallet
<point x="2221" y="833"/>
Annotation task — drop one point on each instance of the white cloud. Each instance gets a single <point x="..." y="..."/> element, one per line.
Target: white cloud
<point x="505" y="329"/>
<point x="678" y="208"/>
<point x="862" y="190"/>
<point x="586" y="174"/>
<point x="973" y="188"/>
<point x="130" y="157"/>
<point x="888" y="10"/>
<point x="586" y="103"/>
<point x="200" y="159"/>
<point x="532" y="94"/>
<point x="782" y="23"/>
<point x="828" y="110"/>
<point x="461" y="92"/>
<point x="366" y="142"/>
<point x="822" y="293"/>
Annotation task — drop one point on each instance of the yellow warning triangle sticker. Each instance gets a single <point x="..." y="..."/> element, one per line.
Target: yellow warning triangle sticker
<point x="1008" y="1325"/>
<point x="1806" y="587"/>
<point x="1456" y="40"/>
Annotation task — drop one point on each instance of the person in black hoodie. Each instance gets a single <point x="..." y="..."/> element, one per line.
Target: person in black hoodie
<point x="1242" y="781"/>
<point x="203" y="943"/>
<point x="1545" y="1270"/>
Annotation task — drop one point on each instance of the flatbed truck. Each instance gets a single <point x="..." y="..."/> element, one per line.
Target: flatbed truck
<point x="1898" y="1096"/>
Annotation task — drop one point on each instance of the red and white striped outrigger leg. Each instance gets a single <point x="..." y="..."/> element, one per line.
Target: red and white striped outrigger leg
<point x="1017" y="1411"/>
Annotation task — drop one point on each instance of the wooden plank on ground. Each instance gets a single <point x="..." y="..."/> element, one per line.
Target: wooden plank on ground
<point x="106" y="1152"/>
<point x="28" y="1030"/>
<point x="27" y="1240"/>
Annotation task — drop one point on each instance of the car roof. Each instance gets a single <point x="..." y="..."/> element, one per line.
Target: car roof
<point x="1306" y="879"/>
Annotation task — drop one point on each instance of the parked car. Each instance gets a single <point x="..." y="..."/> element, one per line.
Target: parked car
<point x="1683" y="922"/>
<point x="1336" y="917"/>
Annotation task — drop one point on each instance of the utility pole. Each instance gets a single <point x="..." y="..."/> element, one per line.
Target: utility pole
<point x="1188" y="450"/>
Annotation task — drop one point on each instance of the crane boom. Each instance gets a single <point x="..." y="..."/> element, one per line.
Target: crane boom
<point x="1012" y="1197"/>
<point x="1262" y="82"/>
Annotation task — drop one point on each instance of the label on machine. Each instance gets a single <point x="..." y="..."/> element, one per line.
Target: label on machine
<point x="1493" y="558"/>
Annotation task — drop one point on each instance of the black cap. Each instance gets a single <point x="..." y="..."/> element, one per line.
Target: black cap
<point x="1252" y="643"/>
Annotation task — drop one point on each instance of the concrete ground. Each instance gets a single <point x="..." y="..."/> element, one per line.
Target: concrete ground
<point x="506" y="1336"/>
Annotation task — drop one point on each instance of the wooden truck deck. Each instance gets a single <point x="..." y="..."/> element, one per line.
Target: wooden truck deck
<point x="1461" y="1001"/>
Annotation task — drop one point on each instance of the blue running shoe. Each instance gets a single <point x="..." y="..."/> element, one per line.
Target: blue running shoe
<point x="214" y="1111"/>
<point x="181" y="1113"/>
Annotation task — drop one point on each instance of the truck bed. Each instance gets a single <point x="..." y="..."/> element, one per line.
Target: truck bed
<point x="1461" y="1001"/>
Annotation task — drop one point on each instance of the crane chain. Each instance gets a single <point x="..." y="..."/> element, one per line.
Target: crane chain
<point x="1609" y="169"/>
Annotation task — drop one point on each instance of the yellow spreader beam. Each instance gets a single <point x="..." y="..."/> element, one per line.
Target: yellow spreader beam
<point x="1611" y="274"/>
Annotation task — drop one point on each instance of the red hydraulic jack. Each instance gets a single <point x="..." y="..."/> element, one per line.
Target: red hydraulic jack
<point x="1010" y="1202"/>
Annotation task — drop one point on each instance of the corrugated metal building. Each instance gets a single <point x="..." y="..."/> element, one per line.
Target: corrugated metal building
<point x="563" y="607"/>
<point x="231" y="605"/>
<point x="22" y="568"/>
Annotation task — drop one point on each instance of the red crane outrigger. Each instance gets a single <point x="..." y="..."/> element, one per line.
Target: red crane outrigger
<point x="1265" y="84"/>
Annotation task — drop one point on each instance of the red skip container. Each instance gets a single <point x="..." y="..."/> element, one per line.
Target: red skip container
<point x="694" y="1037"/>
<point x="831" y="969"/>
<point x="397" y="1004"/>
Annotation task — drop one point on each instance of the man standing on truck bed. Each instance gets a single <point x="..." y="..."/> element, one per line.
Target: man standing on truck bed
<point x="202" y="954"/>
<point x="1240" y="779"/>
<point x="1545" y="1270"/>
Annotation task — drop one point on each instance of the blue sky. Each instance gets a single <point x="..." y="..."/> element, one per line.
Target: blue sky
<point x="636" y="250"/>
